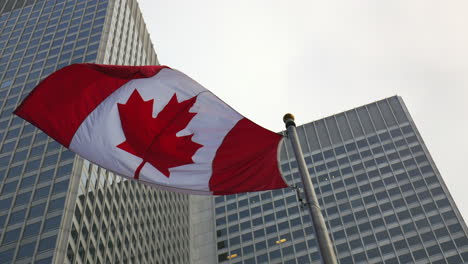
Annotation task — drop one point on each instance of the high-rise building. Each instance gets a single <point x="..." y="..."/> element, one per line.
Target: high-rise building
<point x="54" y="206"/>
<point x="382" y="197"/>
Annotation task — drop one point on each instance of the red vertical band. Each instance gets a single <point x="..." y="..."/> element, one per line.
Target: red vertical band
<point x="247" y="161"/>
<point x="62" y="101"/>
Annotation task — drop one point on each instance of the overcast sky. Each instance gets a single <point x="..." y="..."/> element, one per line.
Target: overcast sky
<point x="317" y="58"/>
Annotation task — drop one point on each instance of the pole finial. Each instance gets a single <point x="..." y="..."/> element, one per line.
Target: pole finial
<point x="288" y="120"/>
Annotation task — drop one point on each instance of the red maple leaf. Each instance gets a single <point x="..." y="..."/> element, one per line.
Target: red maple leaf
<point x="154" y="139"/>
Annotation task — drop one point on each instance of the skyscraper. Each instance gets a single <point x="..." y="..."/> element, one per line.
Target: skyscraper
<point x="381" y="195"/>
<point x="55" y="206"/>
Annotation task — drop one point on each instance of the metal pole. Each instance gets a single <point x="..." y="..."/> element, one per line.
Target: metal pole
<point x="325" y="244"/>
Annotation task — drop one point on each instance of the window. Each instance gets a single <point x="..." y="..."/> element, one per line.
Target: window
<point x="332" y="164"/>
<point x="221" y="257"/>
<point x="234" y="228"/>
<point x="398" y="203"/>
<point x="32" y="165"/>
<point x="404" y="215"/>
<point x="332" y="210"/>
<point x="358" y="166"/>
<point x="320" y="168"/>
<point x="52" y="223"/>
<point x="346" y="170"/>
<point x="377" y="150"/>
<point x="283" y="226"/>
<point x="389" y="146"/>
<point x="47" y="243"/>
<point x="60" y="187"/>
<point x="220" y="221"/>
<point x="301" y="246"/>
<point x="383" y="235"/>
<point x="377" y="223"/>
<point x="389" y="180"/>
<point x="396" y="231"/>
<point x="387" y="249"/>
<point x="220" y="210"/>
<point x="41" y="193"/>
<point x="455" y="259"/>
<point x="5" y="203"/>
<point x="9" y="187"/>
<point x="275" y="254"/>
<point x="247" y="237"/>
<point x="22" y="198"/>
<point x="383" y="160"/>
<point x="267" y="206"/>
<point x="364" y="227"/>
<point x="64" y="169"/>
<point x="339" y="235"/>
<point x="50" y="160"/>
<point x="348" y="219"/>
<point x="461" y="242"/>
<point x="11" y="236"/>
<point x="422" y="223"/>
<point x="8" y="147"/>
<point x="369" y="199"/>
<point x="247" y="250"/>
<point x="17" y="217"/>
<point x="369" y="163"/>
<point x="412" y="241"/>
<point x="368" y="240"/>
<point x="441" y="232"/>
<point x="360" y="257"/>
<point x="46" y="176"/>
<point x="355" y="243"/>
<point x="262" y="258"/>
<point x="340" y="150"/>
<point x="351" y="231"/>
<point x="260" y="245"/>
<point x="429" y="236"/>
<point x="37" y="210"/>
<point x="434" y="250"/>
<point x="234" y="241"/>
<point x="407" y="129"/>
<point x="343" y="161"/>
<point x="37" y="150"/>
<point x="381" y="196"/>
<point x="350" y="181"/>
<point x="353" y="192"/>
<point x="373" y="253"/>
<point x="271" y="229"/>
<point x="317" y="157"/>
<point x="411" y="139"/>
<point x="365" y="188"/>
<point x="26" y="250"/>
<point x="455" y="228"/>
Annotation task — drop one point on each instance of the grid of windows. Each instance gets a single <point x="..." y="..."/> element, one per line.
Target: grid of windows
<point x="127" y="40"/>
<point x="111" y="216"/>
<point x="9" y="5"/>
<point x="36" y="40"/>
<point x="110" y="220"/>
<point x="380" y="193"/>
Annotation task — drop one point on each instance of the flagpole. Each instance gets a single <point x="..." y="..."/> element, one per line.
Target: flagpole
<point x="325" y="244"/>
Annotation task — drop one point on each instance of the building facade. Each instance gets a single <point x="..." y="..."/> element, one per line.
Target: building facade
<point x="382" y="197"/>
<point x="54" y="206"/>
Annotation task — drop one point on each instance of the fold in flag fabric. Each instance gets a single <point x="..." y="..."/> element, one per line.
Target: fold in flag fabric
<point x="157" y="126"/>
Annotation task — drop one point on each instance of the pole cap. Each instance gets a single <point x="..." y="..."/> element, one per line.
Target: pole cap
<point x="288" y="120"/>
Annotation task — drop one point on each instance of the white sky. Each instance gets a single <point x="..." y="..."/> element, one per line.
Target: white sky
<point x="317" y="58"/>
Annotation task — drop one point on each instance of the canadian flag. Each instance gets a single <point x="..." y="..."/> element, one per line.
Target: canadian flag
<point x="155" y="125"/>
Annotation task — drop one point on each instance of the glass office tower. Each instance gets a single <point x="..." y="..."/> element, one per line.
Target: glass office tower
<point x="381" y="195"/>
<point x="56" y="207"/>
